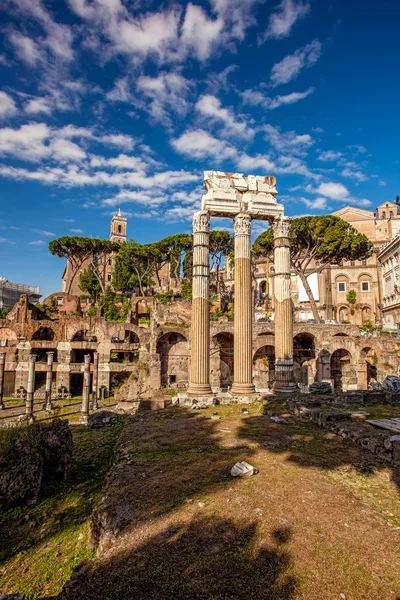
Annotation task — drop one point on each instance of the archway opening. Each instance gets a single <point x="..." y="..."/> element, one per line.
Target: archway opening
<point x="84" y="336"/>
<point x="340" y="365"/>
<point x="41" y="354"/>
<point x="131" y="337"/>
<point x="221" y="361"/>
<point x="368" y="355"/>
<point x="45" y="334"/>
<point x="173" y="349"/>
<point x="303" y="356"/>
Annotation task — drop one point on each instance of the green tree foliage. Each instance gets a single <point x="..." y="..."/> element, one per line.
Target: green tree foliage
<point x="4" y="312"/>
<point x="317" y="242"/>
<point x="221" y="246"/>
<point x="187" y="290"/>
<point x="89" y="283"/>
<point x="351" y="297"/>
<point x="136" y="264"/>
<point x="173" y="250"/>
<point x="188" y="264"/>
<point x="78" y="249"/>
<point x="109" y="304"/>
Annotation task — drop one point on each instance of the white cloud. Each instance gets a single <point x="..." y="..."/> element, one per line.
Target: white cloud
<point x="4" y="240"/>
<point x="382" y="183"/>
<point x="329" y="155"/>
<point x="290" y="98"/>
<point x="66" y="151"/>
<point x="77" y="231"/>
<point x="36" y="106"/>
<point x="250" y="163"/>
<point x="8" y="107"/>
<point x="255" y="98"/>
<point x="317" y="204"/>
<point x="334" y="191"/>
<point x="210" y="106"/>
<point x="282" y="21"/>
<point x="126" y="142"/>
<point x="288" y="140"/>
<point x="26" y="49"/>
<point x="198" y="143"/>
<point x="290" y="67"/>
<point x="351" y="174"/>
<point x="168" y="95"/>
<point x="318" y="130"/>
<point x="44" y="232"/>
<point x="37" y="243"/>
<point x="199" y="32"/>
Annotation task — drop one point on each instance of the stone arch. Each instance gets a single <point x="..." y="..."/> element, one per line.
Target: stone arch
<point x="44" y="334"/>
<point x="340" y="368"/>
<point x="369" y="371"/>
<point x="343" y="313"/>
<point x="366" y="313"/>
<point x="262" y="288"/>
<point x="304" y="357"/>
<point x="264" y="367"/>
<point x="263" y="339"/>
<point x="221" y="360"/>
<point x="84" y="335"/>
<point x="173" y="348"/>
<point x="131" y="337"/>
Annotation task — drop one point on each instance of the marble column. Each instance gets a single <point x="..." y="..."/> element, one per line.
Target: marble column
<point x="31" y="387"/>
<point x="284" y="380"/>
<point x="2" y="367"/>
<point x="243" y="325"/>
<point x="85" y="390"/>
<point x="49" y="380"/>
<point x="95" y="403"/>
<point x="199" y="378"/>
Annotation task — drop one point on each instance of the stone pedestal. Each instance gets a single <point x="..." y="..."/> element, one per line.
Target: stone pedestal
<point x="199" y="380"/>
<point x="49" y="380"/>
<point x="284" y="380"/>
<point x="2" y="367"/>
<point x="85" y="390"/>
<point x="243" y="326"/>
<point x="31" y="387"/>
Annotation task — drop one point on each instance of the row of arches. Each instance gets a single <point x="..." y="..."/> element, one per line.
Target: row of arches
<point x="47" y="334"/>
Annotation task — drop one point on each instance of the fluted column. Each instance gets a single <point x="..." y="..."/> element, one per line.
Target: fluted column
<point x="199" y="380"/>
<point x="49" y="380"/>
<point x="284" y="380"/>
<point x="243" y="326"/>
<point x="31" y="387"/>
<point x="95" y="402"/>
<point x="85" y="389"/>
<point x="2" y="367"/>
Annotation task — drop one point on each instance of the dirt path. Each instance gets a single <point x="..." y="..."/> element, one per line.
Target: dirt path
<point x="319" y="522"/>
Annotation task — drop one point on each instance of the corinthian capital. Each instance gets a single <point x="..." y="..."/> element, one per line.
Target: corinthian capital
<point x="281" y="227"/>
<point x="242" y="224"/>
<point x="201" y="222"/>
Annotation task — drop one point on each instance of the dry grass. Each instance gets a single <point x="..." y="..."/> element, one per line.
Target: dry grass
<point x="319" y="520"/>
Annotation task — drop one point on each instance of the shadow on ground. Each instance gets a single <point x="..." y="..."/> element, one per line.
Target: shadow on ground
<point x="205" y="559"/>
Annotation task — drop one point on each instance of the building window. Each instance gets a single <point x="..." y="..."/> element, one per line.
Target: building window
<point x="391" y="214"/>
<point x="119" y="229"/>
<point x="341" y="286"/>
<point x="110" y="261"/>
<point x="383" y="215"/>
<point x="365" y="286"/>
<point x="352" y="263"/>
<point x="364" y="262"/>
<point x="109" y="277"/>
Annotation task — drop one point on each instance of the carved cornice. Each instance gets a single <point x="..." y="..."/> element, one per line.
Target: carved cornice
<point x="242" y="224"/>
<point x="201" y="222"/>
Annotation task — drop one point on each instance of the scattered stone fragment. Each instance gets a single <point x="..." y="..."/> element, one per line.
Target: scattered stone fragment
<point x="321" y="387"/>
<point x="279" y="420"/>
<point x="243" y="469"/>
<point x="245" y="411"/>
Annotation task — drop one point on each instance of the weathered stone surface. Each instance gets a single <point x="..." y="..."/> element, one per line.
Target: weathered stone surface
<point x="101" y="418"/>
<point x="30" y="454"/>
<point x="321" y="387"/>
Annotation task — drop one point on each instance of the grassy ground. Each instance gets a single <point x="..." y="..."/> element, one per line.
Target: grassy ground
<point x="319" y="522"/>
<point x="41" y="545"/>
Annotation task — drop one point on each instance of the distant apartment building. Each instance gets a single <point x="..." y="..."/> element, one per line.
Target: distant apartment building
<point x="11" y="292"/>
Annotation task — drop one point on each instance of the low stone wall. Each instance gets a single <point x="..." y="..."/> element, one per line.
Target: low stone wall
<point x="349" y="425"/>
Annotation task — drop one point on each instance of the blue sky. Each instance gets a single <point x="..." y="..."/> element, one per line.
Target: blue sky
<point x="113" y="103"/>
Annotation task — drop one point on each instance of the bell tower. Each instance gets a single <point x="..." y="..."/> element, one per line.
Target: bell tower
<point x="118" y="228"/>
